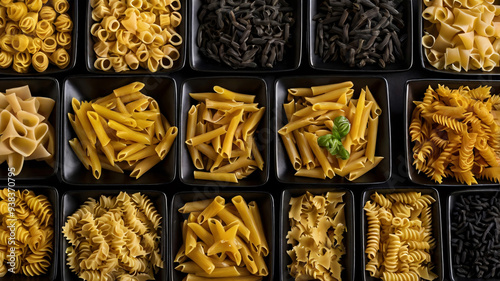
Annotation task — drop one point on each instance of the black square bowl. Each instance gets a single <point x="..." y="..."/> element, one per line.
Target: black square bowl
<point x="377" y="85"/>
<point x="71" y="202"/>
<point x="86" y="88"/>
<point x="39" y="87"/>
<point x="90" y="55"/>
<point x="53" y="69"/>
<point x="452" y="200"/>
<point x="246" y="85"/>
<point x="347" y="261"/>
<point x="53" y="197"/>
<point x="316" y="62"/>
<point x="415" y="90"/>
<point x="423" y="60"/>
<point x="291" y="59"/>
<point x="436" y="256"/>
<point x="266" y="207"/>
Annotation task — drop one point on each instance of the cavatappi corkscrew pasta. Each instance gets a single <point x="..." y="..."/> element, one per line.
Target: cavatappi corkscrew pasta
<point x="34" y="33"/>
<point x="114" y="238"/>
<point x="124" y="130"/>
<point x="31" y="219"/>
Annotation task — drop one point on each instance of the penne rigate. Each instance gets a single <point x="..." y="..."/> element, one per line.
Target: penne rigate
<point x="220" y="135"/>
<point x="222" y="240"/>
<point x="312" y="115"/>
<point x="118" y="138"/>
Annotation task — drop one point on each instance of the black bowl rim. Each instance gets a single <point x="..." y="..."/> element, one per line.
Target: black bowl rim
<point x="259" y="70"/>
<point x="360" y="70"/>
<point x="63" y="143"/>
<point x="409" y="166"/>
<point x="57" y="126"/>
<point x="425" y="64"/>
<point x="439" y="236"/>
<point x="241" y="183"/>
<point x="224" y="193"/>
<point x="89" y="65"/>
<point x="284" y="205"/>
<point x="165" y="224"/>
<point x="327" y="181"/>
<point x="452" y="196"/>
<point x="55" y="70"/>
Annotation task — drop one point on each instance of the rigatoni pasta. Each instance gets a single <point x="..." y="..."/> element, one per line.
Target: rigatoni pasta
<point x="25" y="130"/>
<point x="325" y="226"/>
<point x="136" y="34"/>
<point x="220" y="135"/>
<point x="35" y="33"/>
<point x="124" y="130"/>
<point x="222" y="240"/>
<point x="316" y="112"/>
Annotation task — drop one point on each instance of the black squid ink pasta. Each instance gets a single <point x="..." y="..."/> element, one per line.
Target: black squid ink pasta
<point x="360" y="32"/>
<point x="475" y="236"/>
<point x="245" y="33"/>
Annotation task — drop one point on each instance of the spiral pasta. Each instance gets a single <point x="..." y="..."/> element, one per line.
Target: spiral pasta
<point x="31" y="26"/>
<point x="116" y="237"/>
<point x="31" y="224"/>
<point x="141" y="34"/>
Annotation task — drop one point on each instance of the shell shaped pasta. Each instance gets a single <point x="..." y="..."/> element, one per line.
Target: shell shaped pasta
<point x="63" y="23"/>
<point x="16" y="11"/>
<point x="5" y="59"/>
<point x="48" y="13"/>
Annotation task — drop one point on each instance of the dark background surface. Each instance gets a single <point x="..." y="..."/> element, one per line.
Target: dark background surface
<point x="399" y="178"/>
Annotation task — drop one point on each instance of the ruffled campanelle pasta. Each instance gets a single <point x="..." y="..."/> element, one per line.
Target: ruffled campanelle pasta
<point x="326" y="227"/>
<point x="124" y="130"/>
<point x="115" y="238"/>
<point x="31" y="26"/>
<point x="33" y="217"/>
<point x="141" y="34"/>
<point x="456" y="134"/>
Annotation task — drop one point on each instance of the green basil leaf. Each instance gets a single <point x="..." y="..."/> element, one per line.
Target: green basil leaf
<point x="325" y="140"/>
<point x="343" y="153"/>
<point x="335" y="134"/>
<point x="343" y="125"/>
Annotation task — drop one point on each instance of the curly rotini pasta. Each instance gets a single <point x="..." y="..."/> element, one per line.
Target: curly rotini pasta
<point x="462" y="135"/>
<point x="30" y="218"/>
<point x="114" y="238"/>
<point x="32" y="32"/>
<point x="137" y="34"/>
<point x="399" y="248"/>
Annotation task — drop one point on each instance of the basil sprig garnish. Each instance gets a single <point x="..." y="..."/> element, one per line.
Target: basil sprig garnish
<point x="333" y="142"/>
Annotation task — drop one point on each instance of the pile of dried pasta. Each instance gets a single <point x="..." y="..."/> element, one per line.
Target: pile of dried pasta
<point x="311" y="112"/>
<point x="33" y="219"/>
<point x="115" y="238"/>
<point x="124" y="130"/>
<point x="399" y="236"/>
<point x="220" y="135"/>
<point x="317" y="242"/>
<point x="222" y="241"/>
<point x="457" y="134"/>
<point x="25" y="131"/>
<point x="34" y="32"/>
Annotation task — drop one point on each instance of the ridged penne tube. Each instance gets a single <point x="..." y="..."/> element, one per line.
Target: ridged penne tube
<point x="225" y="177"/>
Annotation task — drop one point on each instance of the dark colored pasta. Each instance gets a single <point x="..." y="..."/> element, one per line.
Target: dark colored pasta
<point x="360" y="32"/>
<point x="243" y="33"/>
<point x="475" y="236"/>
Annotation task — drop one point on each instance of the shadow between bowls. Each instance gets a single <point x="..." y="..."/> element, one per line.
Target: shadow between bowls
<point x="316" y="62"/>
<point x="348" y="260"/>
<point x="266" y="207"/>
<point x="291" y="59"/>
<point x="86" y="88"/>
<point x="53" y="197"/>
<point x="90" y="55"/>
<point x="437" y="232"/>
<point x="452" y="199"/>
<point x="377" y="85"/>
<point x="241" y="84"/>
<point x="71" y="202"/>
<point x="415" y="90"/>
<point x="39" y="87"/>
<point x="53" y="69"/>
